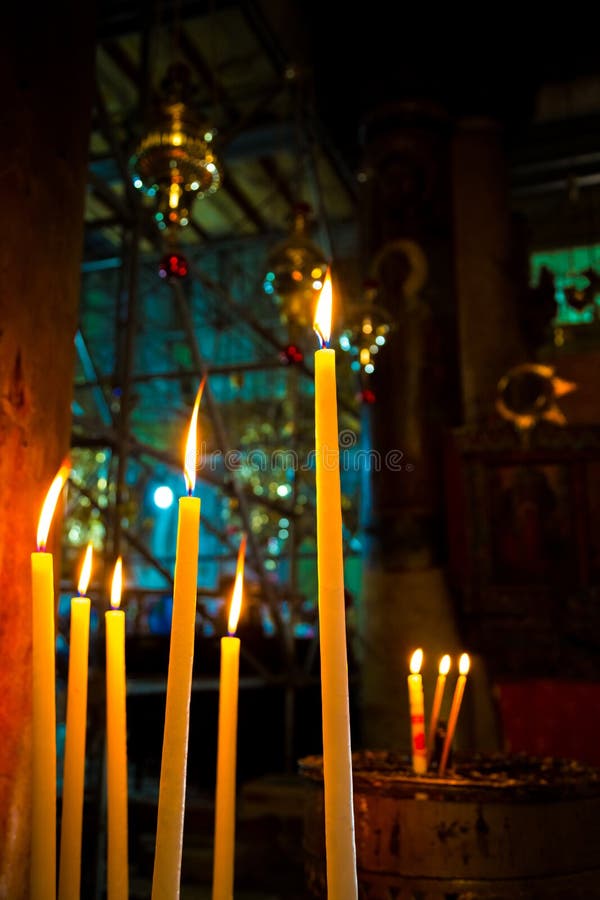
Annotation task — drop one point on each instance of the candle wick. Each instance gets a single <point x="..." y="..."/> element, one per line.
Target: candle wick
<point x="324" y="344"/>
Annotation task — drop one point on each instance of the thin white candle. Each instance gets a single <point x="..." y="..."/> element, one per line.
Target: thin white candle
<point x="171" y="801"/>
<point x="337" y="755"/>
<point x="43" y="778"/>
<point x="223" y="865"/>
<point x="69" y="870"/>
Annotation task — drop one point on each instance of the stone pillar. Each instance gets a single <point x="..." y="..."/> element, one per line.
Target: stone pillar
<point x="406" y="229"/>
<point x="46" y="65"/>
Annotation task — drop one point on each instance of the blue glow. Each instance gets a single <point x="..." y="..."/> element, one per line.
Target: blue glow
<point x="345" y="342"/>
<point x="163" y="497"/>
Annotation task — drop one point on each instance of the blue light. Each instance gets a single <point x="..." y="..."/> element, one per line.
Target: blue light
<point x="163" y="497"/>
<point x="345" y="342"/>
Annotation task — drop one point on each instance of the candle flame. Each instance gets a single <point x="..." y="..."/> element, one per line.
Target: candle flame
<point x="464" y="664"/>
<point x="322" y="323"/>
<point x="236" y="597"/>
<point x="117" y="584"/>
<point x="416" y="661"/>
<point x="86" y="571"/>
<point x="189" y="467"/>
<point x="444" y="664"/>
<point x="50" y="502"/>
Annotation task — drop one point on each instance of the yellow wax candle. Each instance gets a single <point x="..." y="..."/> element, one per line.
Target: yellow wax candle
<point x="464" y="664"/>
<point x="69" y="870"/>
<point x="171" y="799"/>
<point x="43" y="780"/>
<point x="417" y="714"/>
<point x="443" y="669"/>
<point x="223" y="863"/>
<point x="117" y="876"/>
<point x="337" y="757"/>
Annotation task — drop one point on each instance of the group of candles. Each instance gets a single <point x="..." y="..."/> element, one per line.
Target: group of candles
<point x="339" y="814"/>
<point x="172" y="784"/>
<point x="422" y="745"/>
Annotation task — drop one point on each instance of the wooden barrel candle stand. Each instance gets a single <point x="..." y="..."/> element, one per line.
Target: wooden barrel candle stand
<point x="499" y="828"/>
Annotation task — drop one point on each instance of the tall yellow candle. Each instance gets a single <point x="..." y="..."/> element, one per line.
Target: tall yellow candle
<point x="417" y="714"/>
<point x="43" y="776"/>
<point x="464" y="665"/>
<point x="117" y="873"/>
<point x="337" y="757"/>
<point x="224" y="852"/>
<point x="443" y="669"/>
<point x="171" y="800"/>
<point x="69" y="870"/>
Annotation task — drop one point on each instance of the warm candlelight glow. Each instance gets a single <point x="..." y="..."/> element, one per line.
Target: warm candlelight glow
<point x="86" y="571"/>
<point x="322" y="323"/>
<point x="50" y="505"/>
<point x="117" y="584"/>
<point x="416" y="661"/>
<point x="444" y="667"/>
<point x="236" y="598"/>
<point x="464" y="664"/>
<point x="189" y="469"/>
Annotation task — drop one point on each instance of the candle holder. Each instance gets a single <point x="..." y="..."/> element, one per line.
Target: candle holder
<point x="501" y="827"/>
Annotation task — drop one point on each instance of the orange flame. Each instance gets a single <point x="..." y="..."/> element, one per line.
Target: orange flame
<point x="189" y="466"/>
<point x="416" y="661"/>
<point x="86" y="571"/>
<point x="464" y="664"/>
<point x="50" y="502"/>
<point x="236" y="597"/>
<point x="322" y="323"/>
<point x="444" y="664"/>
<point x="117" y="584"/>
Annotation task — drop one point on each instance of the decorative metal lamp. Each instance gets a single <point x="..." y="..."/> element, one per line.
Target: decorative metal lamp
<point x="174" y="161"/>
<point x="367" y="330"/>
<point x="297" y="267"/>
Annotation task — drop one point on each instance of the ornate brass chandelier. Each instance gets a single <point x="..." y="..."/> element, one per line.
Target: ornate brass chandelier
<point x="297" y="267"/>
<point x="174" y="162"/>
<point x="367" y="328"/>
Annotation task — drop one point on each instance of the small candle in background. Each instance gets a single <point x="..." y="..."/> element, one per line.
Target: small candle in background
<point x="443" y="669"/>
<point x="69" y="872"/>
<point x="463" y="669"/>
<point x="117" y="876"/>
<point x="417" y="714"/>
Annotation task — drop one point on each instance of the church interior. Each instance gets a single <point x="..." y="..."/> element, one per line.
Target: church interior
<point x="184" y="181"/>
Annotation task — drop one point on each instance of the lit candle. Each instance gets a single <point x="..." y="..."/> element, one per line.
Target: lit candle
<point x="443" y="669"/>
<point x="463" y="669"/>
<point x="337" y="755"/>
<point x="43" y="781"/>
<point x="116" y="744"/>
<point x="69" y="871"/>
<point x="417" y="714"/>
<point x="171" y="800"/>
<point x="223" y="864"/>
